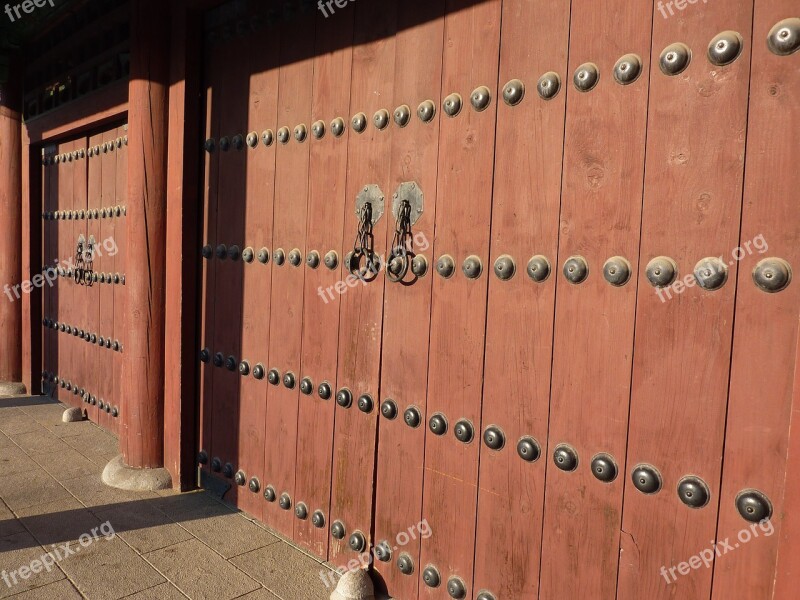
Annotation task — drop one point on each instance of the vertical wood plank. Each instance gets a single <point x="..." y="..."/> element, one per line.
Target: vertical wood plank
<point x="600" y="221"/>
<point x="525" y="223"/>
<point x="361" y="310"/>
<point x="289" y="236"/>
<point x="787" y="575"/>
<point x="113" y="382"/>
<point x="119" y="247"/>
<point x="682" y="348"/>
<point x="766" y="325"/>
<point x="326" y="206"/>
<point x="96" y="382"/>
<point x="213" y="65"/>
<point x="262" y="109"/>
<point x="49" y="254"/>
<point x="406" y="321"/>
<point x="82" y="296"/>
<point x="66" y="202"/>
<point x="230" y="223"/>
<point x="458" y="313"/>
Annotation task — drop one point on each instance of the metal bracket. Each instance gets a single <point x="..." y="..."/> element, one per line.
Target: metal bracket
<point x="373" y="194"/>
<point x="410" y="191"/>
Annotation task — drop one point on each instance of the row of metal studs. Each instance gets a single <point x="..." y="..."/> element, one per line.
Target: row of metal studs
<point x="86" y="396"/>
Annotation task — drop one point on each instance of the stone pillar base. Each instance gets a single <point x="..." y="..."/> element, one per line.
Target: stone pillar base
<point x="119" y="475"/>
<point x="354" y="585"/>
<point x="10" y="388"/>
<point x="72" y="415"/>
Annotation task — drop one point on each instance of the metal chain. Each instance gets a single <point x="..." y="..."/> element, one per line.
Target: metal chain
<point x="89" y="266"/>
<point x="79" y="268"/>
<point x="363" y="247"/>
<point x="401" y="242"/>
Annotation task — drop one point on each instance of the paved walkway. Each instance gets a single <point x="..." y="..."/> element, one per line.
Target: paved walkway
<point x="163" y="546"/>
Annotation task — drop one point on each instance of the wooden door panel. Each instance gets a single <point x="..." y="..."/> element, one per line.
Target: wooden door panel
<point x="682" y="351"/>
<point x="787" y="577"/>
<point x="117" y="246"/>
<point x="51" y="261"/>
<point x="232" y="106"/>
<point x="214" y="65"/>
<point x="262" y="110"/>
<point x="81" y="296"/>
<point x="289" y="238"/>
<point x="108" y="313"/>
<point x="406" y="321"/>
<point x="326" y="205"/>
<point x="361" y="310"/>
<point x="67" y="250"/>
<point x="525" y="219"/>
<point x="660" y="381"/>
<point x="766" y="325"/>
<point x="99" y="376"/>
<point x="600" y="222"/>
<point x="458" y="313"/>
<point x="60" y="245"/>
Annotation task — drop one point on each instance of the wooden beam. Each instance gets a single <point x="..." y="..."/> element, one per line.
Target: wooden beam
<point x="93" y="110"/>
<point x="183" y="210"/>
<point x="10" y="234"/>
<point x="141" y="435"/>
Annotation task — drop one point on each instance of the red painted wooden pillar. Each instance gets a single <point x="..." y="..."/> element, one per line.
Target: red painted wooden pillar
<point x="11" y="238"/>
<point x="141" y="437"/>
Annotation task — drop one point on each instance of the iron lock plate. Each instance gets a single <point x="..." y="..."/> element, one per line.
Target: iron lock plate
<point x="371" y="194"/>
<point x="410" y="191"/>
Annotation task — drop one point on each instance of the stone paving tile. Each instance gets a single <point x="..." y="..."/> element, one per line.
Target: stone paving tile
<point x="260" y="594"/>
<point x="16" y="489"/>
<point x="20" y="550"/>
<point x="96" y="445"/>
<point x="13" y="461"/>
<point x="39" y="442"/>
<point x="285" y="571"/>
<point x="92" y="492"/>
<point x="23" y="401"/>
<point x="165" y="591"/>
<point x="201" y="573"/>
<point x="169" y="529"/>
<point x="60" y="590"/>
<point x="66" y="463"/>
<point x="143" y="526"/>
<point x="47" y="412"/>
<point x="108" y="569"/>
<point x="8" y="522"/>
<point x="16" y="422"/>
<point x="58" y="521"/>
<point x="229" y="534"/>
<point x="65" y="430"/>
<point x="192" y="505"/>
<point x="92" y="438"/>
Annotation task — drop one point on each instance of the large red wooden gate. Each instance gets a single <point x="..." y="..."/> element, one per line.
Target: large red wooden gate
<point x="83" y="215"/>
<point x="500" y="291"/>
